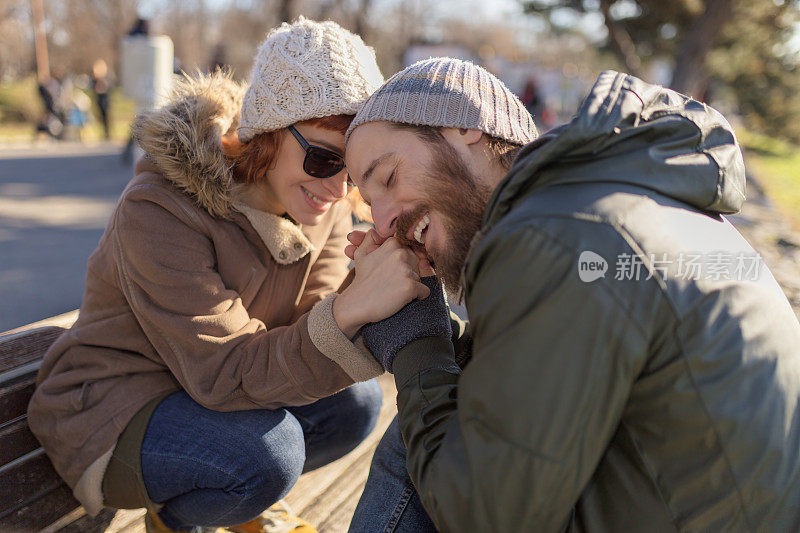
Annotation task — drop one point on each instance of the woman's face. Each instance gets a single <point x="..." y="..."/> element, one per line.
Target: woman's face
<point x="305" y="198"/>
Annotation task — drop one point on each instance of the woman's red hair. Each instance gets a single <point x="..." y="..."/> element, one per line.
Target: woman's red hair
<point x="252" y="160"/>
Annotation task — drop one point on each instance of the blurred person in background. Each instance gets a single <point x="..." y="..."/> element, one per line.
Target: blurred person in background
<point x="531" y="98"/>
<point x="219" y="58"/>
<point x="536" y="104"/>
<point x="141" y="28"/>
<point x="101" y="88"/>
<point x="50" y="91"/>
<point x="659" y="397"/>
<point x="212" y="361"/>
<point x="80" y="106"/>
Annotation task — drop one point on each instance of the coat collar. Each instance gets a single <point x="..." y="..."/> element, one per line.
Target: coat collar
<point x="285" y="241"/>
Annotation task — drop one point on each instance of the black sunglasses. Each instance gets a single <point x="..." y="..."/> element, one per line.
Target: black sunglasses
<point x="320" y="162"/>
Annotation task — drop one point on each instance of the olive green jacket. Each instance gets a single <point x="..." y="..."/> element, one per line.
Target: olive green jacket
<point x="615" y="385"/>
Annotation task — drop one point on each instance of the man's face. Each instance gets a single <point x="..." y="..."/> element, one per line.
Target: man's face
<point x="421" y="190"/>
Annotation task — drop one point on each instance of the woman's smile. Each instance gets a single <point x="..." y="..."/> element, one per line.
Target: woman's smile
<point x="316" y="202"/>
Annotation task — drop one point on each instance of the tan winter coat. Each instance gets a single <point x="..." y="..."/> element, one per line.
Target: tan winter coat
<point x="190" y="290"/>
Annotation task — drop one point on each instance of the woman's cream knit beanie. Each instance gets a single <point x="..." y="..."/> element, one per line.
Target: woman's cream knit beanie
<point x="307" y="70"/>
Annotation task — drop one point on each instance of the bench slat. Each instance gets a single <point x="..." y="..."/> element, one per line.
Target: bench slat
<point x="14" y="398"/>
<point x="16" y="440"/>
<point x="26" y="482"/>
<point x="32" y="495"/>
<point x="17" y="349"/>
<point x="90" y="524"/>
<point x="40" y="512"/>
<point x="20" y="358"/>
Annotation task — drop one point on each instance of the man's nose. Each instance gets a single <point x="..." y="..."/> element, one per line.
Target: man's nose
<point x="385" y="218"/>
<point x="337" y="184"/>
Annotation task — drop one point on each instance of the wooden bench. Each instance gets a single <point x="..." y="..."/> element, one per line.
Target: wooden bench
<point x="34" y="498"/>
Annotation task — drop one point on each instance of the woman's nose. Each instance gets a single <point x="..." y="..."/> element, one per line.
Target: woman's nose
<point x="337" y="184"/>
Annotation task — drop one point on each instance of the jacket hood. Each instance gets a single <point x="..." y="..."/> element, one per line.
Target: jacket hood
<point x="632" y="132"/>
<point x="183" y="138"/>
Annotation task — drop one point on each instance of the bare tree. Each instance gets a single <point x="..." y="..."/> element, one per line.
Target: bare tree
<point x="360" y="17"/>
<point x="242" y="29"/>
<point x="81" y="31"/>
<point x="16" y="30"/>
<point x="695" y="25"/>
<point x="40" y="42"/>
<point x="329" y="9"/>
<point x="690" y="76"/>
<point x="285" y="10"/>
<point x="620" y="41"/>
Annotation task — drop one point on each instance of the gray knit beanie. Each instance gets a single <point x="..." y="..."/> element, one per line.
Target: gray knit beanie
<point x="449" y="93"/>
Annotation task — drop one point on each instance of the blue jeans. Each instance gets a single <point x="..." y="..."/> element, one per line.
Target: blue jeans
<point x="390" y="503"/>
<point x="211" y="468"/>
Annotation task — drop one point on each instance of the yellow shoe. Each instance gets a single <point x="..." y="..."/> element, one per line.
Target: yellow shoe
<point x="277" y="519"/>
<point x="153" y="524"/>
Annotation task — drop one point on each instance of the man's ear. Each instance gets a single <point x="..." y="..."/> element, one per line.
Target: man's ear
<point x="466" y="137"/>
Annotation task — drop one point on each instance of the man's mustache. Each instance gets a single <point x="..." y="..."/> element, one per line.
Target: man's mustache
<point x="408" y="220"/>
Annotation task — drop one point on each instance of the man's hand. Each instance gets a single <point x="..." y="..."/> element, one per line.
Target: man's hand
<point x="417" y="320"/>
<point x="387" y="278"/>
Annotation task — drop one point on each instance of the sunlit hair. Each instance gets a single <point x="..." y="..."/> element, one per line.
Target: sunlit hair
<point x="501" y="151"/>
<point x="253" y="160"/>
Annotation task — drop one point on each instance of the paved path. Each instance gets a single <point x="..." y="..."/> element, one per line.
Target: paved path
<point x="55" y="201"/>
<point x="773" y="238"/>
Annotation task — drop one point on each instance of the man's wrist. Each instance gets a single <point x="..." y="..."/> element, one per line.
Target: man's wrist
<point x="423" y="354"/>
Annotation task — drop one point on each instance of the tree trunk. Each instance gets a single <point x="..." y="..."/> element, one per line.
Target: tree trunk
<point x="285" y="12"/>
<point x="360" y="24"/>
<point x="689" y="76"/>
<point x="620" y="42"/>
<point x="40" y="42"/>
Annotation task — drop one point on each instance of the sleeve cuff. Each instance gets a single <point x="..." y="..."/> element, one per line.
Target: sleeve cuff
<point x="329" y="339"/>
<point x="421" y="355"/>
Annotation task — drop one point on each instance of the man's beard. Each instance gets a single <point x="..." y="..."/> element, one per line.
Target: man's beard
<point x="455" y="193"/>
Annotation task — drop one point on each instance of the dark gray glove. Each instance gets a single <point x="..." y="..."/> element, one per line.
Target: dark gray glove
<point x="419" y="319"/>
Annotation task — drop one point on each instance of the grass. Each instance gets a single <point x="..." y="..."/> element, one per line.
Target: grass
<point x="777" y="166"/>
<point x="21" y="108"/>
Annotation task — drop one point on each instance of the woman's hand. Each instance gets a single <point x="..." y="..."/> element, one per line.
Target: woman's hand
<point x="387" y="278"/>
<point x="356" y="237"/>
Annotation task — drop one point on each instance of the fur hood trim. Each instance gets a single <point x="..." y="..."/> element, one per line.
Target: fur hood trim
<point x="183" y="138"/>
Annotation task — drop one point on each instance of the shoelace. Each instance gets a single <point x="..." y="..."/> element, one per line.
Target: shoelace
<point x="279" y="518"/>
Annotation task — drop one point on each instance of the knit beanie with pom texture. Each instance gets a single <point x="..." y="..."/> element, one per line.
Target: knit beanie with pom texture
<point x="307" y="70"/>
